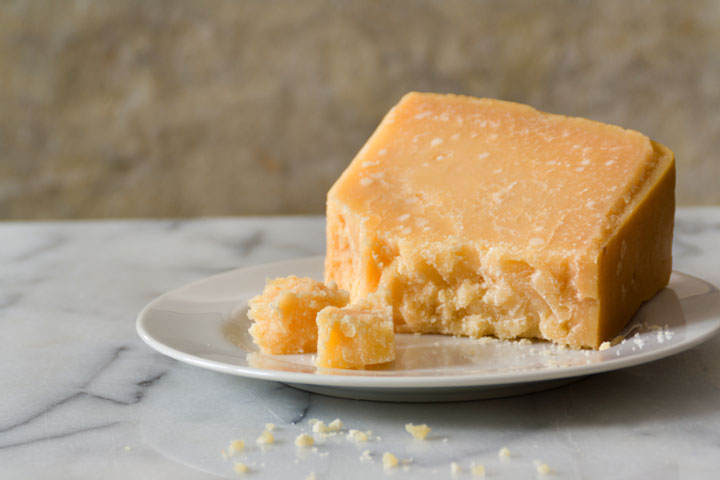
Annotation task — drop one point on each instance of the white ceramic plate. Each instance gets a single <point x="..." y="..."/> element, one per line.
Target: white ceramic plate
<point x="205" y="324"/>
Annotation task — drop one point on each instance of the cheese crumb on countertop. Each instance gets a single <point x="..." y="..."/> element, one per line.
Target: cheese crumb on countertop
<point x="335" y="425"/>
<point x="357" y="436"/>
<point x="604" y="346"/>
<point x="366" y="456"/>
<point x="319" y="427"/>
<point x="478" y="469"/>
<point x="389" y="460"/>
<point x="418" y="432"/>
<point x="265" y="438"/>
<point x="304" y="440"/>
<point x="240" y="468"/>
<point x="236" y="446"/>
<point x="454" y="467"/>
<point x="504" y="452"/>
<point x="311" y="476"/>
<point x="543" y="468"/>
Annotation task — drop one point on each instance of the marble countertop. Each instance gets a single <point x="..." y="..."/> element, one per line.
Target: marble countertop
<point x="83" y="397"/>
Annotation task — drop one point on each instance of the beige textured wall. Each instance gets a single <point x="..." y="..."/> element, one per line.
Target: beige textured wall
<point x="185" y="108"/>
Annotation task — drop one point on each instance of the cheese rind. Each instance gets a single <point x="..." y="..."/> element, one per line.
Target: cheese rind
<point x="483" y="217"/>
<point x="284" y="314"/>
<point x="355" y="336"/>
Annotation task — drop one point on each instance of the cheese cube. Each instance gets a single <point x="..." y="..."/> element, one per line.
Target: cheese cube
<point x="484" y="217"/>
<point x="355" y="336"/>
<point x="284" y="314"/>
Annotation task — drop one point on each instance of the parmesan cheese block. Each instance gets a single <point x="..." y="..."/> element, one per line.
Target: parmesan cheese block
<point x="355" y="336"/>
<point x="284" y="314"/>
<point x="484" y="217"/>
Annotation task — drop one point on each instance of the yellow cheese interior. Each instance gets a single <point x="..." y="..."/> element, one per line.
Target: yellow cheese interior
<point x="484" y="217"/>
<point x="284" y="314"/>
<point x="355" y="336"/>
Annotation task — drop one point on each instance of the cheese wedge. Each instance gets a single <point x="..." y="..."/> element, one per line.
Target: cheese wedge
<point x="284" y="314"/>
<point x="485" y="217"/>
<point x="355" y="336"/>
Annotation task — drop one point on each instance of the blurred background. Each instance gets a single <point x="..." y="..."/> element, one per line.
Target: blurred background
<point x="226" y="107"/>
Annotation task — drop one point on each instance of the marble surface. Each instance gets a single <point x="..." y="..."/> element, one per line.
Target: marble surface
<point x="144" y="109"/>
<point x="82" y="397"/>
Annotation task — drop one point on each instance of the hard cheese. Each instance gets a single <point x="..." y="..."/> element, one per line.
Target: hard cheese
<point x="284" y="314"/>
<point x="484" y="217"/>
<point x="355" y="336"/>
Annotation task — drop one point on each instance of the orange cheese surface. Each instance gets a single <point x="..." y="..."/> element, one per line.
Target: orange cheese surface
<point x="284" y="314"/>
<point x="484" y="217"/>
<point x="355" y="336"/>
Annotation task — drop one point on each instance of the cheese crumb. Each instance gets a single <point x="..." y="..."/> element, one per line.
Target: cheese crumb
<point x="304" y="440"/>
<point x="504" y="452"/>
<point x="389" y="460"/>
<point x="265" y="438"/>
<point x="236" y="446"/>
<point x="478" y="469"/>
<point x="357" y="436"/>
<point x="311" y="476"/>
<point x="604" y="346"/>
<point x="543" y="469"/>
<point x="366" y="456"/>
<point x="335" y="425"/>
<point x="240" y="468"/>
<point x="454" y="467"/>
<point x="320" y="427"/>
<point x="419" y="432"/>
<point x="269" y="427"/>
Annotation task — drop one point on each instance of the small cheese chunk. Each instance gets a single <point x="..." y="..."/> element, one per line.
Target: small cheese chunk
<point x="419" y="432"/>
<point x="357" y="436"/>
<point x="478" y="469"/>
<point x="355" y="336"/>
<point x="335" y="425"/>
<point x="304" y="440"/>
<point x="389" y="460"/>
<point x="320" y="427"/>
<point x="455" y="468"/>
<point x="543" y="468"/>
<point x="284" y="314"/>
<point x="504" y="452"/>
<point x="265" y="438"/>
<point x="236" y="446"/>
<point x="493" y="218"/>
<point x="240" y="468"/>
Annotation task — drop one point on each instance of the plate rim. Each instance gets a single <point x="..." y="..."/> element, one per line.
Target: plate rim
<point x="399" y="382"/>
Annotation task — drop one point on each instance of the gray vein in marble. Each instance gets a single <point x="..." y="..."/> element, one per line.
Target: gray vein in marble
<point x="59" y="435"/>
<point x="49" y="244"/>
<point x="69" y="398"/>
<point x="9" y="300"/>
